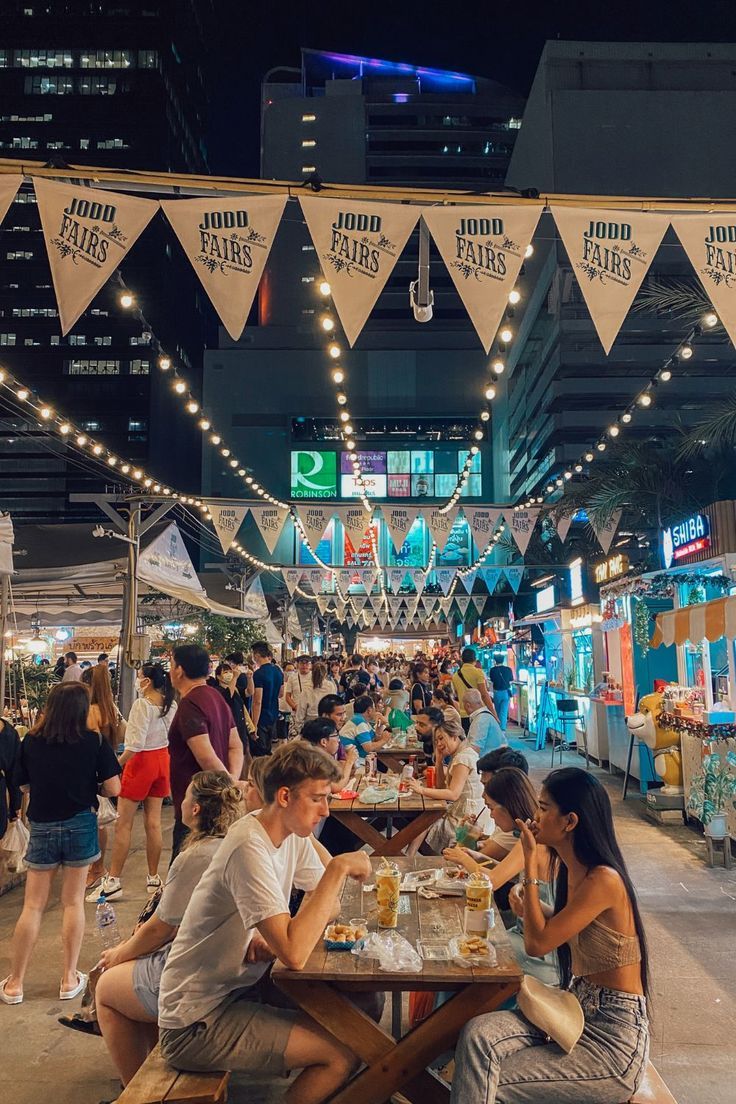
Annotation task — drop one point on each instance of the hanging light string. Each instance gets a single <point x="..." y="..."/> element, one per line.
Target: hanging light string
<point x="643" y="400"/>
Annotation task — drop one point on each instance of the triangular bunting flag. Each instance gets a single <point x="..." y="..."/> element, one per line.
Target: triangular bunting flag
<point x="227" y="242"/>
<point x="484" y="250"/>
<point x="482" y="521"/>
<point x="315" y="576"/>
<point x="349" y="621"/>
<point x="467" y="578"/>
<point x="430" y="605"/>
<point x="514" y="576"/>
<point x="490" y="576"/>
<point x="358" y="243"/>
<point x="368" y="576"/>
<point x="396" y="578"/>
<point x="444" y="576"/>
<point x="355" y="520"/>
<point x="254" y="601"/>
<point x="521" y="526"/>
<point x="291" y="577"/>
<point x="227" y="521"/>
<point x="87" y="234"/>
<point x="339" y="610"/>
<point x="315" y="520"/>
<point x="419" y="578"/>
<point x="462" y="602"/>
<point x="322" y="603"/>
<point x="345" y="576"/>
<point x="480" y="602"/>
<point x="399" y="520"/>
<point x="610" y="253"/>
<point x="606" y="533"/>
<point x="270" y="522"/>
<point x="563" y="527"/>
<point x="440" y="523"/>
<point x="9" y="186"/>
<point x="708" y="241"/>
<point x="377" y="603"/>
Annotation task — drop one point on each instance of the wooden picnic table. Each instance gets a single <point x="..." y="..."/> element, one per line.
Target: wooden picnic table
<point x="322" y="989"/>
<point x="392" y="756"/>
<point x="421" y="812"/>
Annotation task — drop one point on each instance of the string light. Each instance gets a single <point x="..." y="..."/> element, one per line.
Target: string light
<point x="126" y="300"/>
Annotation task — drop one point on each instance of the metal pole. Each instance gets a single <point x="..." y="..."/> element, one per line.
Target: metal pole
<point x="126" y="670"/>
<point x="4" y="592"/>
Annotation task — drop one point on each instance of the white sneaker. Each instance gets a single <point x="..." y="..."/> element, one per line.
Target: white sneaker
<point x="110" y="889"/>
<point x="153" y="883"/>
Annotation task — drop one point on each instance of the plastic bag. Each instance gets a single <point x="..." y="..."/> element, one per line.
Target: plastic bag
<point x="106" y="812"/>
<point x="394" y="953"/>
<point x="15" y="843"/>
<point x="378" y="795"/>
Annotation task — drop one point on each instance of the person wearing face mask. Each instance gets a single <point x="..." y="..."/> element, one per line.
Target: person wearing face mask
<point x="226" y="682"/>
<point x="145" y="763"/>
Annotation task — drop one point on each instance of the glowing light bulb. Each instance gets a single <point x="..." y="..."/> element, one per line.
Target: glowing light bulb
<point x="215" y="439"/>
<point x="126" y="300"/>
<point x="351" y="444"/>
<point x="65" y="428"/>
<point x="710" y="320"/>
<point x="589" y="457"/>
<point x="204" y="425"/>
<point x="180" y="387"/>
<point x="112" y="461"/>
<point x="234" y="463"/>
<point x="506" y="335"/>
<point x="327" y="323"/>
<point x="613" y="431"/>
<point x="192" y="406"/>
<point x="665" y="375"/>
<point x="626" y="417"/>
<point x="22" y="394"/>
<point x="478" y="434"/>
<point x="529" y="250"/>
<point x="685" y="352"/>
<point x="490" y="393"/>
<point x="46" y="413"/>
<point x="81" y="440"/>
<point x="342" y="398"/>
<point x="498" y="367"/>
<point x="601" y="446"/>
<point x="645" y="399"/>
<point x="484" y="416"/>
<point x="334" y="351"/>
<point x="324" y="288"/>
<point x="225" y="452"/>
<point x="97" y="450"/>
<point x="514" y="297"/>
<point x="338" y="375"/>
<point x="164" y="363"/>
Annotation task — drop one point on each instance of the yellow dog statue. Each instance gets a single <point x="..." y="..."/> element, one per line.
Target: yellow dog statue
<point x="663" y="742"/>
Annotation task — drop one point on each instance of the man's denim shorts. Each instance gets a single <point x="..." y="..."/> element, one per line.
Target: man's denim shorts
<point x="72" y="842"/>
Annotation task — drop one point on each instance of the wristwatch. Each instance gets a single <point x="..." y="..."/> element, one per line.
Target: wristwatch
<point x="532" y="881"/>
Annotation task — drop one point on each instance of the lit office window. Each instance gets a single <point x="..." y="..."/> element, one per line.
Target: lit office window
<point x="77" y="339"/>
<point x="7" y="339"/>
<point x="148" y="59"/>
<point x="92" y="367"/>
<point x="308" y="168"/>
<point x="140" y="367"/>
<point x="106" y="59"/>
<point x="309" y="118"/>
<point x="308" y="143"/>
<point x="43" y="59"/>
<point x="48" y="86"/>
<point x="19" y="255"/>
<point x="103" y="339"/>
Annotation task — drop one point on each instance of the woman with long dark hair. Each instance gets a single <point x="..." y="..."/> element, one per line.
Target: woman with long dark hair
<point x="596" y="928"/>
<point x="62" y="762"/>
<point x="317" y="685"/>
<point x="145" y="762"/>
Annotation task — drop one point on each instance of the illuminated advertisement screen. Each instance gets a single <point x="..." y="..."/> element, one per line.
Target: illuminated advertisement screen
<point x="323" y="549"/>
<point x="313" y="474"/>
<point x="397" y="473"/>
<point x="363" y="555"/>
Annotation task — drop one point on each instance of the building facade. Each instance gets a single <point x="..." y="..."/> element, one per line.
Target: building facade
<point x="116" y="84"/>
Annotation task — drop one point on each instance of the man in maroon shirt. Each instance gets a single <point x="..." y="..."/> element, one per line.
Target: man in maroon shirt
<point x="202" y="735"/>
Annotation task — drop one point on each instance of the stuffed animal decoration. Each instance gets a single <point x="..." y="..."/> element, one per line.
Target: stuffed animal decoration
<point x="664" y="743"/>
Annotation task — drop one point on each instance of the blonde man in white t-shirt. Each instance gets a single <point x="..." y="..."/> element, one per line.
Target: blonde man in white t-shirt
<point x="213" y="1002"/>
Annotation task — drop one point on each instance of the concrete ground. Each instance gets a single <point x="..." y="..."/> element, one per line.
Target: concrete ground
<point x="690" y="915"/>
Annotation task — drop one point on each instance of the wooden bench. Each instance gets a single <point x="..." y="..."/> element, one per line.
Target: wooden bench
<point x="653" y="1090"/>
<point x="157" y="1083"/>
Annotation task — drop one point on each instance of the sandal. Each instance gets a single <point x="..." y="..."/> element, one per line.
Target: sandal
<point x="5" y="997"/>
<point x="70" y="994"/>
<point x="79" y="1022"/>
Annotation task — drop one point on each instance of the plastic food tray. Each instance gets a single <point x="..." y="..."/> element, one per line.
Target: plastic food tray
<point x="489" y="959"/>
<point x="434" y="950"/>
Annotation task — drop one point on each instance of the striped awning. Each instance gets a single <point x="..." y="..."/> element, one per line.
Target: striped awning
<point x="704" y="621"/>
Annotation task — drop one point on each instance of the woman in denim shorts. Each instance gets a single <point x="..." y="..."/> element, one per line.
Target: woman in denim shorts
<point x="62" y="763"/>
<point x="596" y="929"/>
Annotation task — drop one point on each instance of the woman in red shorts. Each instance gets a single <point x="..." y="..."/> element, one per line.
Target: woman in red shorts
<point x="145" y="763"/>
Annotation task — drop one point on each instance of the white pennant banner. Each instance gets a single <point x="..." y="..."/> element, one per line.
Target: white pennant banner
<point x="483" y="248"/>
<point x="482" y="521"/>
<point x="322" y="603"/>
<point x="444" y="576"/>
<point x="514" y="576"/>
<point x="440" y="525"/>
<point x="419" y="578"/>
<point x="377" y="603"/>
<point x="315" y="576"/>
<point x="368" y="576"/>
<point x="490" y="576"/>
<point x="467" y="578"/>
<point x="610" y="253"/>
<point x="315" y="520"/>
<point x="345" y="577"/>
<point x="462" y="602"/>
<point x="710" y="243"/>
<point x="606" y="533"/>
<point x="396" y="578"/>
<point x="399" y="520"/>
<point x="355" y="520"/>
<point x="291" y="577"/>
<point x="563" y="527"/>
<point x="270" y="522"/>
<point x="339" y="610"/>
<point x="227" y="242"/>
<point x="227" y="521"/>
<point x="9" y="186"/>
<point x="254" y="601"/>
<point x="521" y="526"/>
<point x="480" y="603"/>
<point x="87" y="235"/>
<point x="358" y="243"/>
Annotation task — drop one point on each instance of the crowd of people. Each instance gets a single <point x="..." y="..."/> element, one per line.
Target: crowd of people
<point x="249" y="754"/>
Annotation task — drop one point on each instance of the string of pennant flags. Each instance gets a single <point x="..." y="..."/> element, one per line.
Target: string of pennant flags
<point x="88" y="232"/>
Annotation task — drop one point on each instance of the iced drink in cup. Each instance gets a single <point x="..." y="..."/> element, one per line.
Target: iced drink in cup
<point x="388" y="882"/>
<point x="479" y="916"/>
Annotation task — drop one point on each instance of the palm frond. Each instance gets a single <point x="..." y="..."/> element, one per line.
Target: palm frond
<point x="684" y="299"/>
<point x="714" y="432"/>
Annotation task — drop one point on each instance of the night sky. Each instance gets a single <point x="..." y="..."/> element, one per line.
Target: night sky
<point x="500" y="40"/>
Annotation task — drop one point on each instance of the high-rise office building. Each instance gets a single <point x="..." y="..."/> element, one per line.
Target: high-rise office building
<point x="600" y="120"/>
<point x="415" y="389"/>
<point x="115" y="83"/>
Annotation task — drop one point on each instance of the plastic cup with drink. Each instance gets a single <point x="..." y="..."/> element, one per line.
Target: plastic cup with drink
<point x="479" y="915"/>
<point x="388" y="883"/>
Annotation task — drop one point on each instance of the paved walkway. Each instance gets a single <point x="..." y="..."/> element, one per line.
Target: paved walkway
<point x="690" y="914"/>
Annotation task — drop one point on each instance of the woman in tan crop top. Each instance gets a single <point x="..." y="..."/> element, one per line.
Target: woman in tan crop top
<point x="597" y="932"/>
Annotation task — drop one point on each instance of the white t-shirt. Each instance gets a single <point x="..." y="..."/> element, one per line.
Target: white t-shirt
<point x="247" y="881"/>
<point x="295" y="683"/>
<point x="183" y="878"/>
<point x="307" y="703"/>
<point x="147" y="730"/>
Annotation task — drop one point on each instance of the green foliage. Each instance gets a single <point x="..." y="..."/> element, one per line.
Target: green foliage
<point x="713" y="787"/>
<point x="681" y="299"/>
<point x="642" y="635"/>
<point x="28" y="680"/>
<point x="218" y="634"/>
